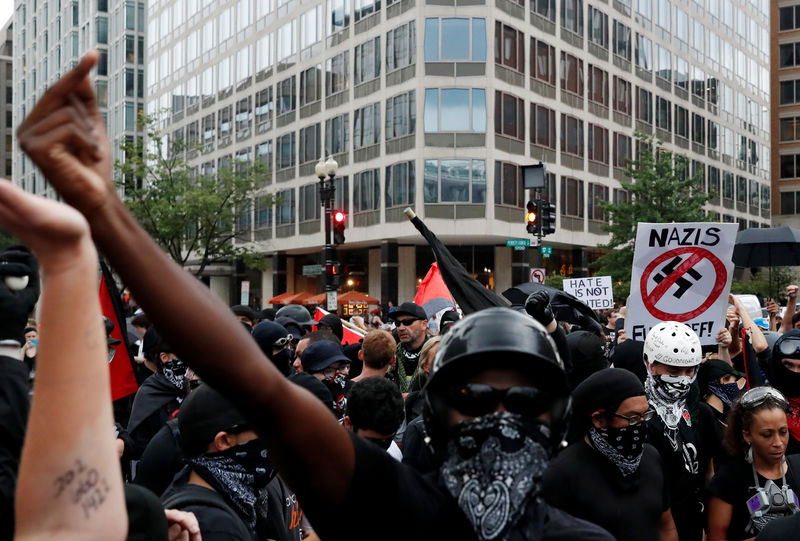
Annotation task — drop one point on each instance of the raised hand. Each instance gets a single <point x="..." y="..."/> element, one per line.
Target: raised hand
<point x="65" y="136"/>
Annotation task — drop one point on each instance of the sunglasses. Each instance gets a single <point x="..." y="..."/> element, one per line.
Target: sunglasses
<point x="634" y="420"/>
<point x="406" y="322"/>
<point x="476" y="399"/>
<point x="759" y="395"/>
<point x="280" y="342"/>
<point x="790" y="346"/>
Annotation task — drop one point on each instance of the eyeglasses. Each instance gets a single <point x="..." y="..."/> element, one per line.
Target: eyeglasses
<point x="476" y="399"/>
<point x="406" y="322"/>
<point x="280" y="342"/>
<point x="637" y="418"/>
<point x="789" y="346"/>
<point x="759" y="395"/>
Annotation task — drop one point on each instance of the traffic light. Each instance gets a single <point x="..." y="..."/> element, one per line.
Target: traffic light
<point x="532" y="217"/>
<point x="547" y="217"/>
<point x="339" y="218"/>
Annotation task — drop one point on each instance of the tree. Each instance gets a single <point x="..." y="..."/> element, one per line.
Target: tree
<point x="660" y="190"/>
<point x="192" y="216"/>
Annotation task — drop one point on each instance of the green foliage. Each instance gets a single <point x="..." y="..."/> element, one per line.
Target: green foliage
<point x="191" y="216"/>
<point x="768" y="283"/>
<point x="7" y="239"/>
<point x="660" y="190"/>
<point x="554" y="280"/>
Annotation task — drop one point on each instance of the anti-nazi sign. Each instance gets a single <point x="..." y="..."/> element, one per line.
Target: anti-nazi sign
<point x="681" y="272"/>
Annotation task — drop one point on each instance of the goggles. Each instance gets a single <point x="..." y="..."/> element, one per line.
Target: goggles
<point x="476" y="399"/>
<point x="281" y="342"/>
<point x="759" y="395"/>
<point x="789" y="347"/>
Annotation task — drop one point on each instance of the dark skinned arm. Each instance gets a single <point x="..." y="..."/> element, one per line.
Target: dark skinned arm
<point x="64" y="135"/>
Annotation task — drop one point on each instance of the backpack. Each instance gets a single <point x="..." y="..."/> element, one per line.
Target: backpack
<point x="184" y="499"/>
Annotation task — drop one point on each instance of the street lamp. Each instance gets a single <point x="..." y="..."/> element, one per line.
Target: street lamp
<point x="326" y="172"/>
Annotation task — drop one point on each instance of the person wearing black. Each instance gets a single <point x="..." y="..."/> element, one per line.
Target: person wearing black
<point x="610" y="469"/>
<point x="760" y="484"/>
<point x="718" y="385"/>
<point x="496" y="381"/>
<point x="412" y="325"/>
<point x="784" y="375"/>
<point x="682" y="431"/>
<point x="160" y="395"/>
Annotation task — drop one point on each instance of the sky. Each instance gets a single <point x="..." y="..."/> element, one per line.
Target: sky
<point x="6" y="9"/>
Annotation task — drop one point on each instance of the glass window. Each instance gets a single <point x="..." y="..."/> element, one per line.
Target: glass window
<point x="571" y="73"/>
<point x="338" y="15"/>
<point x="225" y="121"/>
<point x="364" y="8"/>
<point x="698" y="129"/>
<point x="264" y="110"/>
<point x="663" y="12"/>
<point x="264" y="155"/>
<point x="663" y="114"/>
<point x="367" y="60"/>
<point x="310" y="85"/>
<point x="102" y="29"/>
<point x="789" y="166"/>
<point x="622" y="150"/>
<point x="571" y="135"/>
<point x="508" y="188"/>
<point x="681" y="31"/>
<point x="644" y="105"/>
<point x="543" y="61"/>
<point x="285" y="151"/>
<point x="741" y="189"/>
<point x="765" y="197"/>
<point x="596" y="194"/>
<point x="366" y="191"/>
<point x="264" y="53"/>
<point x="244" y="64"/>
<point x="401" y="46"/>
<point x="400" y="184"/>
<point x="284" y="207"/>
<point x="310" y="27"/>
<point x="543" y="126"/>
<point x="287" y="42"/>
<point x="509" y="47"/>
<point x="644" y="53"/>
<point x="262" y="213"/>
<point x="572" y="197"/>
<point x="681" y="122"/>
<point x="337" y="134"/>
<point x="367" y="126"/>
<point x="244" y="117"/>
<point x="544" y="8"/>
<point x="622" y="96"/>
<point x="309" y="204"/>
<point x="598" y="27"/>
<point x="509" y="115"/>
<point x="598" y="85"/>
<point x="789" y="128"/>
<point x="310" y="144"/>
<point x="455" y="181"/>
<point x="663" y="59"/>
<point x="622" y="40"/>
<point x="681" y="73"/>
<point x="285" y="95"/>
<point x="727" y="185"/>
<point x="598" y="144"/>
<point x="455" y="39"/>
<point x="401" y="115"/>
<point x="455" y="109"/>
<point x="699" y="37"/>
<point x="572" y="16"/>
<point x="337" y="71"/>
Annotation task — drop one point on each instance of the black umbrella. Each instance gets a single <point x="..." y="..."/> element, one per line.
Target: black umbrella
<point x="565" y="306"/>
<point x="470" y="294"/>
<point x="767" y="247"/>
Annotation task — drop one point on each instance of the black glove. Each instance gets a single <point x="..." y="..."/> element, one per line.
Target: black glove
<point x="16" y="306"/>
<point x="538" y="307"/>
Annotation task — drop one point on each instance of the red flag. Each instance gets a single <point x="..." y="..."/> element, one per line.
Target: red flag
<point x="350" y="334"/>
<point x="433" y="292"/>
<point x="123" y="381"/>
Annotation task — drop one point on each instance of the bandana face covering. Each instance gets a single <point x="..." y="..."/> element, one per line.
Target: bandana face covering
<point x="175" y="372"/>
<point x="727" y="392"/>
<point x="494" y="469"/>
<point x="667" y="395"/>
<point x="623" y="446"/>
<point x="238" y="474"/>
<point x="337" y="386"/>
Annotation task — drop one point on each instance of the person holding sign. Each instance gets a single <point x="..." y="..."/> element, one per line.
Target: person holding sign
<point x="686" y="442"/>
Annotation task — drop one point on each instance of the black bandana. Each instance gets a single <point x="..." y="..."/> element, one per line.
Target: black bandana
<point x="337" y="385"/>
<point x="667" y="395"/>
<point x="623" y="446"/>
<point x="494" y="469"/>
<point x="175" y="372"/>
<point x="238" y="474"/>
<point x="727" y="392"/>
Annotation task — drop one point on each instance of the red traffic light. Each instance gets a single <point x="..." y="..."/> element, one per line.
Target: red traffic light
<point x="339" y="217"/>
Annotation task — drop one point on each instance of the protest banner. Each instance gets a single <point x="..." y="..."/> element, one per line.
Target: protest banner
<point x="594" y="291"/>
<point x="681" y="272"/>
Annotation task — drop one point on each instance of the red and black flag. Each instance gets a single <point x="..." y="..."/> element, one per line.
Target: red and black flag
<point x="123" y="380"/>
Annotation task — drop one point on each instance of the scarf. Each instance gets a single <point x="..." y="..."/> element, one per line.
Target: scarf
<point x="667" y="395"/>
<point x="494" y="469"/>
<point x="623" y="447"/>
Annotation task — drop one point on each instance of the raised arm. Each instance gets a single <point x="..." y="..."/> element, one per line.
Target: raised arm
<point x="791" y="303"/>
<point x="70" y="483"/>
<point x="195" y="322"/>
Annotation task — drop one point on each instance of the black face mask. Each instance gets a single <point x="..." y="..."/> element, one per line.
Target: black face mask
<point x="622" y="446"/>
<point x="175" y="372"/>
<point x="283" y="361"/>
<point x="787" y="381"/>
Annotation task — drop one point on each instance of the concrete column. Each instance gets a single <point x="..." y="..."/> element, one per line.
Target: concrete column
<point x="278" y="273"/>
<point x="389" y="272"/>
<point x="406" y="274"/>
<point x="374" y="273"/>
<point x="520" y="266"/>
<point x="502" y="268"/>
<point x="221" y="286"/>
<point x="267" y="290"/>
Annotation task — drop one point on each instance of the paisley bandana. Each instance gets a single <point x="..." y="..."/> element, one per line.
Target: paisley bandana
<point x="667" y="395"/>
<point x="337" y="385"/>
<point x="623" y="446"/>
<point x="727" y="392"/>
<point x="175" y="372"/>
<point x="494" y="469"/>
<point x="238" y="474"/>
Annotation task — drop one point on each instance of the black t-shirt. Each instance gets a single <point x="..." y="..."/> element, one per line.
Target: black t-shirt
<point x="781" y="529"/>
<point x="216" y="523"/>
<point x="396" y="502"/>
<point x="734" y="484"/>
<point x="586" y="485"/>
<point x="161" y="460"/>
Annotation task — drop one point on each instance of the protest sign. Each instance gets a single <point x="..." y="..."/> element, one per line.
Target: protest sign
<point x="594" y="291"/>
<point x="681" y="272"/>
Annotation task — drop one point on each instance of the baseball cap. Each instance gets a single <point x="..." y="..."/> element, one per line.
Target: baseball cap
<point x="244" y="311"/>
<point x="409" y="309"/>
<point x="203" y="414"/>
<point x="320" y="355"/>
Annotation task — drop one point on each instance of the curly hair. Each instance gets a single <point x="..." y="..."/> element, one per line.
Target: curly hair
<point x="740" y="419"/>
<point x="375" y="404"/>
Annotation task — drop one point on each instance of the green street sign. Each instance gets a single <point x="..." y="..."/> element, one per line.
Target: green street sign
<point x="523" y="243"/>
<point x="547" y="250"/>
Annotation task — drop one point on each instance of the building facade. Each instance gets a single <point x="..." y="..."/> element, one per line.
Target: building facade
<point x="6" y="98"/>
<point x="436" y="104"/>
<point x="50" y="36"/>
<point x="785" y="118"/>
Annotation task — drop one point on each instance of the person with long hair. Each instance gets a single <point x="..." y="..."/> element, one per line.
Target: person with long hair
<point x="759" y="485"/>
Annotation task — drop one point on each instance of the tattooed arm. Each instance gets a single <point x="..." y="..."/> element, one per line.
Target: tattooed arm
<point x="70" y="484"/>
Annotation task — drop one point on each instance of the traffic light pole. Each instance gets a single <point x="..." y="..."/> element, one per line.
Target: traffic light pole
<point x="327" y="191"/>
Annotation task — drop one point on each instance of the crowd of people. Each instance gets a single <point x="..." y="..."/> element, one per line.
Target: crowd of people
<point x="260" y="425"/>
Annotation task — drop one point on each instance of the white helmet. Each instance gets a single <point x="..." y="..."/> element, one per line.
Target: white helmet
<point x="673" y="344"/>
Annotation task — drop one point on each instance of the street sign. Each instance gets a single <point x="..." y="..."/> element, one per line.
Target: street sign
<point x="519" y="248"/>
<point x="537" y="275"/>
<point x="331" y="299"/>
<point x="524" y="243"/>
<point x="245" y="296"/>
<point x="547" y="251"/>
<point x="312" y="270"/>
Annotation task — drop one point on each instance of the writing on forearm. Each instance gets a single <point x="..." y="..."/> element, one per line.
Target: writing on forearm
<point x="83" y="486"/>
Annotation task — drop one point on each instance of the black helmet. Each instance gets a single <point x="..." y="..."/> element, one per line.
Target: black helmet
<point x="495" y="338"/>
<point x="296" y="313"/>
